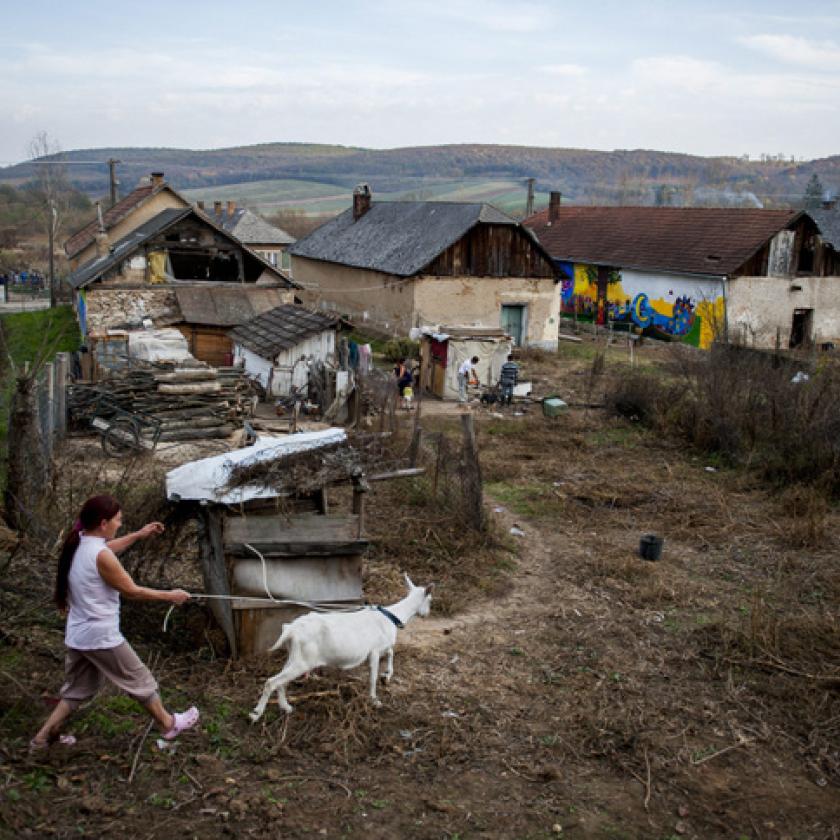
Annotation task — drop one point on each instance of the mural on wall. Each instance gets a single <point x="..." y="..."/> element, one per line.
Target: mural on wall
<point x="671" y="314"/>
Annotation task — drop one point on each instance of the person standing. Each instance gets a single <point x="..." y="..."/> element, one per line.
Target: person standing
<point x="508" y="378"/>
<point x="466" y="373"/>
<point x="89" y="583"/>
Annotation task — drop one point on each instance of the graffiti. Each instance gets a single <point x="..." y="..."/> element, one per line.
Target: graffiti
<point x="678" y="324"/>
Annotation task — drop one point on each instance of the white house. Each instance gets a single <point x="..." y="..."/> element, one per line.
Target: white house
<point x="278" y="346"/>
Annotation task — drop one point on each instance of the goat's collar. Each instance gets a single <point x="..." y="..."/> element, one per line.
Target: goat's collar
<point x="391" y="617"/>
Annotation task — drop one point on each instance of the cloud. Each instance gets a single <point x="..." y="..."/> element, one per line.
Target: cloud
<point x="562" y="70"/>
<point x="818" y="55"/>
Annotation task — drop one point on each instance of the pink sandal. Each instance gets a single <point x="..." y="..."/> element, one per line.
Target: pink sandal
<point x="183" y="721"/>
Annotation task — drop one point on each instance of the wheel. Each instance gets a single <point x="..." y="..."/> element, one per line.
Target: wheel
<point x="121" y="438"/>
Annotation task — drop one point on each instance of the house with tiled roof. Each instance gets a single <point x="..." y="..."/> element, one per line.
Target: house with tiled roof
<point x="144" y="202"/>
<point x="694" y="274"/>
<point x="396" y="265"/>
<point x="268" y="240"/>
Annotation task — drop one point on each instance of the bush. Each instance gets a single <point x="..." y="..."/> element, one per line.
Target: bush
<point x="401" y="348"/>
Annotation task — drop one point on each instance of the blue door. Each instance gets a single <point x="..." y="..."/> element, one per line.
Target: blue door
<point x="513" y="320"/>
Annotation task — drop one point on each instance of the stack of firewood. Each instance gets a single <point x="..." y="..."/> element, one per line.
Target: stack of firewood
<point x="191" y="403"/>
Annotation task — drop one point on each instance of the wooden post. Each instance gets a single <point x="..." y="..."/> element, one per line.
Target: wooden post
<point x="414" y="449"/>
<point x="438" y="459"/>
<point x="212" y="559"/>
<point x="62" y="372"/>
<point x="49" y="425"/>
<point x="360" y="487"/>
<point x="473" y="496"/>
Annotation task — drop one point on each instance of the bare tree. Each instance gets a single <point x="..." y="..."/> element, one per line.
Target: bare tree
<point x="52" y="188"/>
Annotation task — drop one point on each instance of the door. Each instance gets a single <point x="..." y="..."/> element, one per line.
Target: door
<point x="513" y="321"/>
<point x="801" y="328"/>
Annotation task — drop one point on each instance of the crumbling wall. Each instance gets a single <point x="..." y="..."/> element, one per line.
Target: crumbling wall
<point x="117" y="308"/>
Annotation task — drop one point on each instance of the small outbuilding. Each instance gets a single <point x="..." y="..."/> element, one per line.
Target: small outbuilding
<point x="443" y="350"/>
<point x="278" y="347"/>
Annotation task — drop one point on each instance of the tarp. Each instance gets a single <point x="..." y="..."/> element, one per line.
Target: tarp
<point x="206" y="479"/>
<point x="492" y="354"/>
<point x="158" y="346"/>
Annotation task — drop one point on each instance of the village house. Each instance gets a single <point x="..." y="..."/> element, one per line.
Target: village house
<point x="401" y="264"/>
<point x="178" y="269"/>
<point x="267" y="240"/>
<point x="695" y="274"/>
<point x="278" y="347"/>
<point x="143" y="203"/>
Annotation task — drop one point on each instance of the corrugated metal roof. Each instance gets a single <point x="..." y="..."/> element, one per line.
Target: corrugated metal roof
<point x="396" y="237"/>
<point x="248" y="227"/>
<point x="226" y="307"/>
<point x="282" y="328"/>
<point x="126" y="246"/>
<point x="693" y="240"/>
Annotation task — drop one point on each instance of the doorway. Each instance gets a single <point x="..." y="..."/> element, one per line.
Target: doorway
<point x="802" y="328"/>
<point x="513" y="322"/>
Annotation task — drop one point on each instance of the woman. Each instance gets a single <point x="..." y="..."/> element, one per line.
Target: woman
<point x="88" y="586"/>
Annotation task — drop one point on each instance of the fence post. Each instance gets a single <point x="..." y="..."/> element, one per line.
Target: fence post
<point x="473" y="497"/>
<point x="62" y="373"/>
<point x="414" y="448"/>
<point x="49" y="426"/>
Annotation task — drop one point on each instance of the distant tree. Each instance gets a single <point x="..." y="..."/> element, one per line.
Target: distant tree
<point x="814" y="190"/>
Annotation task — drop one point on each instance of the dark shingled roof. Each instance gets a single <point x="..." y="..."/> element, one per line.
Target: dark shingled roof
<point x="396" y="237"/>
<point x="86" y="235"/>
<point x="282" y="328"/>
<point x="226" y="307"/>
<point x="828" y="221"/>
<point x="693" y="240"/>
<point x="248" y="227"/>
<point x="126" y="246"/>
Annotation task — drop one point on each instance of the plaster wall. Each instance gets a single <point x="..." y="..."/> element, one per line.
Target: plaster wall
<point x="373" y="297"/>
<point x="758" y="307"/>
<point x="477" y="301"/>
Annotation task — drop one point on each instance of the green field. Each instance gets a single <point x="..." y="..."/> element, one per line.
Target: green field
<point x="316" y="198"/>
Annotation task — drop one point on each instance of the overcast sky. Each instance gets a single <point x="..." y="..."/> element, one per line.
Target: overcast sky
<point x="698" y="77"/>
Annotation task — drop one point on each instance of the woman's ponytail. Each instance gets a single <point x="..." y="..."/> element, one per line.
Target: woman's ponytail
<point x="94" y="511"/>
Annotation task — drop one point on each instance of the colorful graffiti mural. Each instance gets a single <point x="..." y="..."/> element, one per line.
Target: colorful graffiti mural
<point x="684" y="318"/>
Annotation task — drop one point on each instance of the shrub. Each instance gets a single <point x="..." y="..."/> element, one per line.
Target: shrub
<point x="401" y="348"/>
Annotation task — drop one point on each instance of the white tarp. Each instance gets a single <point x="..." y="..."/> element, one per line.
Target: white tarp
<point x="206" y="479"/>
<point x="167" y="345"/>
<point x="492" y="354"/>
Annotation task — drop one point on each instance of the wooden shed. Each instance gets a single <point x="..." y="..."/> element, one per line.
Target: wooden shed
<point x="275" y="538"/>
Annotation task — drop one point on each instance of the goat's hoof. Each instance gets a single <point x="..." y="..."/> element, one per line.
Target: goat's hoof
<point x="376" y="703"/>
<point x="255" y="716"/>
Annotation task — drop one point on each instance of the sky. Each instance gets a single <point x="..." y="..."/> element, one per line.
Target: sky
<point x="707" y="78"/>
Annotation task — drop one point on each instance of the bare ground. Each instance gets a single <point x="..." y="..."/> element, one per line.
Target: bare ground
<point x="571" y="689"/>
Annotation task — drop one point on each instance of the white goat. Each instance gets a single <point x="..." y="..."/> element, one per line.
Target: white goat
<point x="343" y="640"/>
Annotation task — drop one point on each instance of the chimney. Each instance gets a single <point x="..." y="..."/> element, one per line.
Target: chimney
<point x="554" y="199"/>
<point x="361" y="201"/>
<point x="200" y="205"/>
<point x="829" y="202"/>
<point x="157" y="179"/>
<point x="231" y="207"/>
<point x="101" y="235"/>
<point x="217" y="208"/>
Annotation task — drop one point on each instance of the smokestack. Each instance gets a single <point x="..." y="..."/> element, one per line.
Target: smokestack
<point x="554" y="199"/>
<point x="231" y="207"/>
<point x="361" y="201"/>
<point x="157" y="179"/>
<point x="217" y="208"/>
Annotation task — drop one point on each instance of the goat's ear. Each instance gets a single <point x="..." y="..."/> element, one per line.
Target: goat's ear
<point x="430" y="588"/>
<point x="408" y="582"/>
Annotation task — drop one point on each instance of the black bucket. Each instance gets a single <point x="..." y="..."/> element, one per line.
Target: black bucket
<point x="650" y="547"/>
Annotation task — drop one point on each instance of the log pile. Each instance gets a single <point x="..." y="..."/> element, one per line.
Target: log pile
<point x="191" y="403"/>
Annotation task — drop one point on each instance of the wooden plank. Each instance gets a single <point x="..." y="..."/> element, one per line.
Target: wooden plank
<point x="214" y="572"/>
<point x="300" y="528"/>
<point x="304" y="579"/>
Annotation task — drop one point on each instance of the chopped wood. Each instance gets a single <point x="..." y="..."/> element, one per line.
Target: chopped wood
<point x="190" y="387"/>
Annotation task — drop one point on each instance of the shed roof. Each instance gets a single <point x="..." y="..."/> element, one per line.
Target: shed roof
<point x="396" y="237"/>
<point x="87" y="235"/>
<point x="281" y="328"/>
<point x="828" y="221"/>
<point x="248" y="227"/>
<point x="693" y="240"/>
<point x="226" y="307"/>
<point x="125" y="247"/>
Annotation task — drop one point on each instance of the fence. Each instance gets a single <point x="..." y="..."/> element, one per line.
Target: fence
<point x="51" y="402"/>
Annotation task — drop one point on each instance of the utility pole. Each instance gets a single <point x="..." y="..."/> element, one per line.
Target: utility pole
<point x="112" y="170"/>
<point x="529" y="202"/>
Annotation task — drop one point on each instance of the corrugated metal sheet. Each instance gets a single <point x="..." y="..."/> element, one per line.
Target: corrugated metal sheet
<point x="694" y="240"/>
<point x="396" y="237"/>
